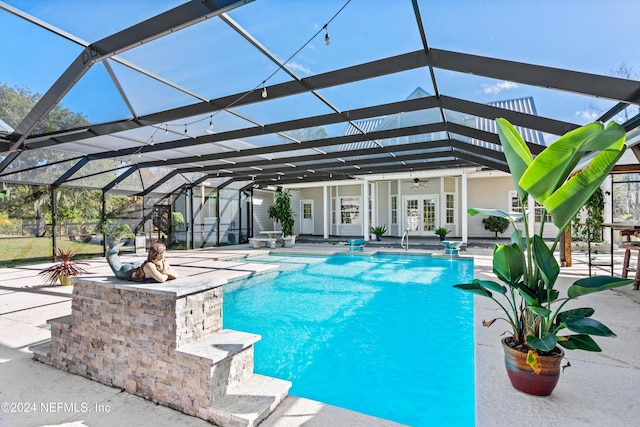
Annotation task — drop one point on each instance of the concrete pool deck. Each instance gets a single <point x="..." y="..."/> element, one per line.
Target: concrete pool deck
<point x="598" y="388"/>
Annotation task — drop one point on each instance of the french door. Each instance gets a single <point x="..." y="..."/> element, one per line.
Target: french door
<point x="420" y="214"/>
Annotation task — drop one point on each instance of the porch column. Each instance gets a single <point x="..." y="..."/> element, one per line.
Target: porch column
<point x="463" y="208"/>
<point x="374" y="204"/>
<point x="325" y="209"/>
<point x="365" y="210"/>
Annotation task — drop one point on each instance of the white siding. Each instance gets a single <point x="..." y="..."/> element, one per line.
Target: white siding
<point x="493" y="193"/>
<point x="261" y="201"/>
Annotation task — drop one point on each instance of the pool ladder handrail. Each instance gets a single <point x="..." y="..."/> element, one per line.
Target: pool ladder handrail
<point x="405" y="234"/>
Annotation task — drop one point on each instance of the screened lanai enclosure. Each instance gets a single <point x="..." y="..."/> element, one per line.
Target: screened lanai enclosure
<point x="177" y="120"/>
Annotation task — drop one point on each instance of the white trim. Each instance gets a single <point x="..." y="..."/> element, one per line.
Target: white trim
<point x="463" y="208"/>
<point x="326" y="219"/>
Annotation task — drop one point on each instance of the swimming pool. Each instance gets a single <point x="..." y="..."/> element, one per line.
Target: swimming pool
<point x="385" y="335"/>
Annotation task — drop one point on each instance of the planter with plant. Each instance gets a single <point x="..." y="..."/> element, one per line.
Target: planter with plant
<point x="442" y="232"/>
<point x="281" y="213"/>
<point x="378" y="231"/>
<point x="528" y="268"/>
<point x="66" y="267"/>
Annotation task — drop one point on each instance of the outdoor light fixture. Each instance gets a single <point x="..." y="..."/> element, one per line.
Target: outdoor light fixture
<point x="166" y="129"/>
<point x="326" y="36"/>
<point x="210" y="122"/>
<point x="185" y="129"/>
<point x="264" y="90"/>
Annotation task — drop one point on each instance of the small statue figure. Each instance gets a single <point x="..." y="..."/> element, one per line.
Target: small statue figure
<point x="155" y="267"/>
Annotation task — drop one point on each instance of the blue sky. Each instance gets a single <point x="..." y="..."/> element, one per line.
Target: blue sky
<point x="212" y="60"/>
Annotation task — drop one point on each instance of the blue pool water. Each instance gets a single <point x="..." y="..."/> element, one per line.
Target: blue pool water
<point x="385" y="335"/>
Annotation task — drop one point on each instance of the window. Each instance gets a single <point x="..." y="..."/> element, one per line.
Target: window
<point x="514" y="203"/>
<point x="349" y="210"/>
<point x="450" y="204"/>
<point x="514" y="206"/>
<point x="209" y="204"/>
<point x="333" y="211"/>
<point x="394" y="209"/>
<point x="306" y="211"/>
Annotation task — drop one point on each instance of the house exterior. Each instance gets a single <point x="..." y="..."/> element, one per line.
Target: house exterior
<point x="417" y="203"/>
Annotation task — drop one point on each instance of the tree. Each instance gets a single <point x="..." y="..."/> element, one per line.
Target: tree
<point x="34" y="201"/>
<point x="496" y="224"/>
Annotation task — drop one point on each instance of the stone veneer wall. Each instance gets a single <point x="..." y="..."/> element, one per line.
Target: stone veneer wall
<point x="128" y="336"/>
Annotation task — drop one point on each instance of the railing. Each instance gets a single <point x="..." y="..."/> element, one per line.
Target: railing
<point x="405" y="234"/>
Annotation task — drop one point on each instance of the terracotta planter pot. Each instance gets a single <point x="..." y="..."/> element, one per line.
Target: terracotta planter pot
<point x="522" y="376"/>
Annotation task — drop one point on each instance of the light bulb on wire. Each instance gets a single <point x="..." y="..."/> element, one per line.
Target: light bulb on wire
<point x="264" y="90"/>
<point x="210" y="122"/>
<point x="327" y="39"/>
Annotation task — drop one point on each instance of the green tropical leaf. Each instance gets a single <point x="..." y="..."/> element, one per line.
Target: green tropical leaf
<point x="567" y="201"/>
<point x="473" y="288"/>
<point x="554" y="164"/>
<point x="545" y="261"/>
<point x="488" y="284"/>
<point x="516" y="238"/>
<point x="593" y="284"/>
<point x="528" y="294"/>
<point x="508" y="263"/>
<point x="578" y="342"/>
<point x="588" y="326"/>
<point x="553" y="295"/>
<point x="547" y="343"/>
<point x="511" y="216"/>
<point x="539" y="310"/>
<point x="516" y="152"/>
<point x="582" y="312"/>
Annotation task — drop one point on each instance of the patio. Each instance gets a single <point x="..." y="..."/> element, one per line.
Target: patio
<point x="372" y="112"/>
<point x="598" y="388"/>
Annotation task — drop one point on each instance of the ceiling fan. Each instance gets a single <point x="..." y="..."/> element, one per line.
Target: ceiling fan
<point x="419" y="183"/>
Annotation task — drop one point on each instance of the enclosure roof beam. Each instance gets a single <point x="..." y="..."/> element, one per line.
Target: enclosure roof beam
<point x="124" y="175"/>
<point x="72" y="170"/>
<point x="160" y="25"/>
<point x="613" y="88"/>
<point x="158" y="183"/>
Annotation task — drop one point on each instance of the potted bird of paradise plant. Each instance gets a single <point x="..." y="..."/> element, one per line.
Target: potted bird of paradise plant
<point x="561" y="179"/>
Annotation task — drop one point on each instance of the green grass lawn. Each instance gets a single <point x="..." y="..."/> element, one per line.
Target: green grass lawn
<point x="23" y="250"/>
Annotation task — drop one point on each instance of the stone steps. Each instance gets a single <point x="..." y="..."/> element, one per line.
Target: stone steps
<point x="248" y="403"/>
<point x="229" y="354"/>
<point x="163" y="342"/>
<point x="239" y="397"/>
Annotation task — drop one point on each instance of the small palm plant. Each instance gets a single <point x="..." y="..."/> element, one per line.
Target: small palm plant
<point x="61" y="271"/>
<point x="378" y="231"/>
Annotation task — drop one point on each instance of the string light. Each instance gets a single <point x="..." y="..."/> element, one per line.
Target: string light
<point x="264" y="94"/>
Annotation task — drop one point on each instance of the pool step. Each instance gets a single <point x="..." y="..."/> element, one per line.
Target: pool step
<point x="248" y="403"/>
<point x="229" y="353"/>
